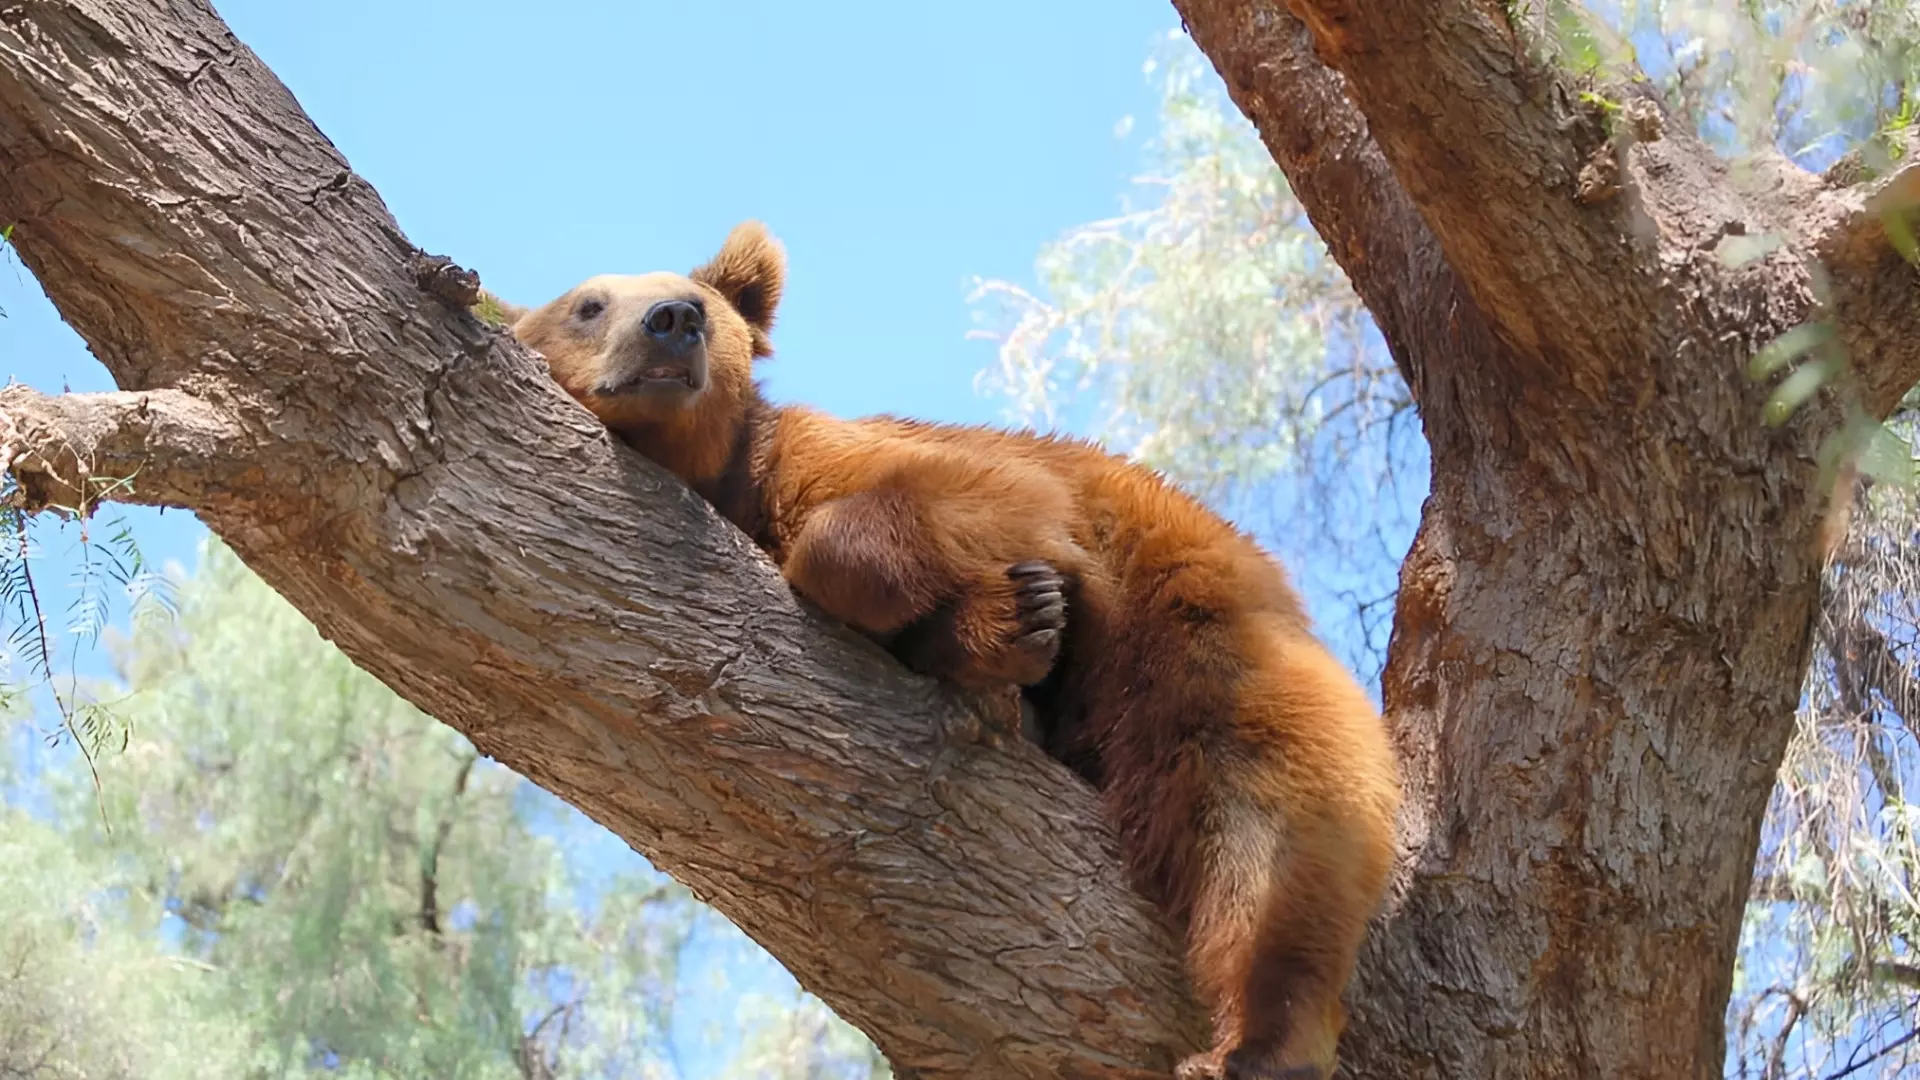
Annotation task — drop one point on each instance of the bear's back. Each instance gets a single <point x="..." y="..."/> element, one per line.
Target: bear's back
<point x="1147" y="534"/>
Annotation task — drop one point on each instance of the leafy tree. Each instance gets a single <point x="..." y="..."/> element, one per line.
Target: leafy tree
<point x="306" y="875"/>
<point x="1827" y="980"/>
<point x="84" y="995"/>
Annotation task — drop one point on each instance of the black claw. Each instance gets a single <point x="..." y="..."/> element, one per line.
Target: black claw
<point x="1038" y="639"/>
<point x="1044" y="611"/>
<point x="1041" y="604"/>
<point x="1037" y="600"/>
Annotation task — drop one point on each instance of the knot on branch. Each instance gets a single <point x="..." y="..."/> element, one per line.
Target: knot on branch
<point x="988" y="718"/>
<point x="1645" y="119"/>
<point x="447" y="281"/>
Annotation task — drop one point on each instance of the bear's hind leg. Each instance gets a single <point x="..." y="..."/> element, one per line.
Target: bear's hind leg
<point x="1331" y="872"/>
<point x="1239" y="862"/>
<point x="1275" y="980"/>
<point x="1289" y="882"/>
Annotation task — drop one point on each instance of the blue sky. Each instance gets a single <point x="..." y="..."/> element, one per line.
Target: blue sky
<point x="897" y="149"/>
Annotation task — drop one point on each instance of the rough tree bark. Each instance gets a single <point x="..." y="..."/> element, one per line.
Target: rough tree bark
<point x="1602" y="627"/>
<point x="1604" y="619"/>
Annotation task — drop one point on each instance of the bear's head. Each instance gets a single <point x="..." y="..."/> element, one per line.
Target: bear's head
<point x="664" y="360"/>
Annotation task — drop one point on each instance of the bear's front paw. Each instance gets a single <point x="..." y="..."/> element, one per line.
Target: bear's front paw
<point x="1040" y="607"/>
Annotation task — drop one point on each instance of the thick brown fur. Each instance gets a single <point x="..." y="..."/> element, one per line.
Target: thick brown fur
<point x="1173" y="665"/>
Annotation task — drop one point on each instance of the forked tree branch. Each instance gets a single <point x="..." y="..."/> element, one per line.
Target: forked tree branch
<point x="1322" y="143"/>
<point x="461" y="529"/>
<point x="1450" y="171"/>
<point x="1514" y="173"/>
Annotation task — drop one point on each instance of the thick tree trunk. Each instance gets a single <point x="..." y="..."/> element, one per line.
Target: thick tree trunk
<point x="1602" y="624"/>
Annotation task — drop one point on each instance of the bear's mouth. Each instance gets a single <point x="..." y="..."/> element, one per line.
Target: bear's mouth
<point x="664" y="374"/>
<point x="669" y="379"/>
<point x="671" y="374"/>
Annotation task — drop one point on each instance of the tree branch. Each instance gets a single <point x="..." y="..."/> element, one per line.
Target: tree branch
<point x="1867" y="661"/>
<point x="472" y="537"/>
<point x="1857" y="1062"/>
<point x="1775" y="888"/>
<point x="1907" y="975"/>
<point x="1440" y="162"/>
<point x="156" y="447"/>
<point x="1350" y="194"/>
<point x="1873" y="300"/>
<point x="1521" y="181"/>
<point x="528" y="1054"/>
<point x="1265" y="56"/>
<point x="1777" y="1056"/>
<point x="430" y="863"/>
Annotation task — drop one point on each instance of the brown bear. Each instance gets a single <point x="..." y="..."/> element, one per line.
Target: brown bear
<point x="1250" y="778"/>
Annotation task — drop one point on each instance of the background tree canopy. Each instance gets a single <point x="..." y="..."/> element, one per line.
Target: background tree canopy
<point x="305" y="874"/>
<point x="308" y="875"/>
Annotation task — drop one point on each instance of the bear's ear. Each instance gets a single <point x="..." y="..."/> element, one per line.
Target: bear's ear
<point x="496" y="312"/>
<point x="749" y="272"/>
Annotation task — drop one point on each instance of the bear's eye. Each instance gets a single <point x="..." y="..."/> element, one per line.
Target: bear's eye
<point x="590" y="308"/>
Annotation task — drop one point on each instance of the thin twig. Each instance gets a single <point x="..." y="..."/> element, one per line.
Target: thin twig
<point x="1776" y="1060"/>
<point x="1876" y="1055"/>
<point x="46" y="654"/>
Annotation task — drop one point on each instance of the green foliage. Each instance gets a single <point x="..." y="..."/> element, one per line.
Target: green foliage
<point x="795" y="1036"/>
<point x="1602" y="104"/>
<point x="1202" y="321"/>
<point x="488" y="309"/>
<point x="305" y="875"/>
<point x="1565" y="33"/>
<point x="1826" y="973"/>
<point x="1798" y="74"/>
<point x="82" y="993"/>
<point x="108" y="570"/>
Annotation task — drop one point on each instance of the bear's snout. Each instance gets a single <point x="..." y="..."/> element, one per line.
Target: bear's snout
<point x="663" y="352"/>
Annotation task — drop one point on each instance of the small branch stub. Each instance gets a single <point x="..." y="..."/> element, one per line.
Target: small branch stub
<point x="447" y="281"/>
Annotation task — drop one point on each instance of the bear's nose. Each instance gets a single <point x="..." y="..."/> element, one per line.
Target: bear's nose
<point x="675" y="323"/>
